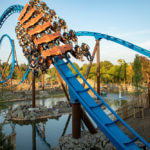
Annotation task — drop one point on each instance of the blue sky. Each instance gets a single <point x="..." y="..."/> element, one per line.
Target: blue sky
<point x="125" y="19"/>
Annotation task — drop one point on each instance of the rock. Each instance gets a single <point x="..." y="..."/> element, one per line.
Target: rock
<point x="105" y="142"/>
<point x="109" y="146"/>
<point x="20" y="115"/>
<point x="26" y="112"/>
<point x="15" y="115"/>
<point x="8" y="117"/>
<point x="140" y="144"/>
<point x="33" y="118"/>
<point x="33" y="109"/>
<point x="27" y="118"/>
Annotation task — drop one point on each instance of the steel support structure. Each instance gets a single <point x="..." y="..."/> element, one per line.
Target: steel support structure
<point x="33" y="90"/>
<point x="63" y="86"/>
<point x="76" y="120"/>
<point x="91" y="62"/>
<point x="43" y="82"/>
<point x="98" y="66"/>
<point x="87" y="122"/>
<point x="66" y="125"/>
<point x="33" y="137"/>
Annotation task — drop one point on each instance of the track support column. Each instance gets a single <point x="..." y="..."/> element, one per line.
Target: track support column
<point x="33" y="90"/>
<point x="76" y="120"/>
<point x="90" y="64"/>
<point x="98" y="66"/>
<point x="43" y="82"/>
<point x="33" y="137"/>
<point x="87" y="122"/>
<point x="63" y="86"/>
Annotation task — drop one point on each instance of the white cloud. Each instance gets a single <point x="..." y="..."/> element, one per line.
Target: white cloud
<point x="133" y="34"/>
<point x="145" y="44"/>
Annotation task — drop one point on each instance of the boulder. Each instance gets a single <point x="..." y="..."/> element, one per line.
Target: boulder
<point x="20" y="115"/>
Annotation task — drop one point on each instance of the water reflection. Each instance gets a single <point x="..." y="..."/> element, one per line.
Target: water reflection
<point x="33" y="137"/>
<point x="46" y="134"/>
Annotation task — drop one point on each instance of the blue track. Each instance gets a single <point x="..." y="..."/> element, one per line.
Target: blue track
<point x="116" y="40"/>
<point x="104" y="122"/>
<point x="13" y="58"/>
<point x="8" y="12"/>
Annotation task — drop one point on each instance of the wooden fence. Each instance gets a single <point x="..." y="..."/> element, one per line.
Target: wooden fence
<point x="129" y="109"/>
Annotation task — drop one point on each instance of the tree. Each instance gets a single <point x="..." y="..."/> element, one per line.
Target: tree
<point x="145" y="67"/>
<point x="83" y="69"/>
<point x="122" y="70"/>
<point x="137" y="71"/>
<point x="129" y="74"/>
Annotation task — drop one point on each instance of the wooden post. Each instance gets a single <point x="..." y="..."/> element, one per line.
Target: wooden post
<point x="64" y="89"/>
<point x="66" y="126"/>
<point x="43" y="82"/>
<point x="11" y="85"/>
<point x="98" y="67"/>
<point x="76" y="120"/>
<point x="90" y="64"/>
<point x="87" y="122"/>
<point x="2" y="89"/>
<point x="33" y="90"/>
<point x="33" y="137"/>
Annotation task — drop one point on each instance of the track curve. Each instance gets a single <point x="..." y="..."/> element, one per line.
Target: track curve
<point x="7" y="13"/>
<point x="116" y="40"/>
<point x="13" y="57"/>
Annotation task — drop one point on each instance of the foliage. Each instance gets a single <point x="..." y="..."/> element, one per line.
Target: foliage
<point x="137" y="71"/>
<point x="145" y="67"/>
<point x="134" y="72"/>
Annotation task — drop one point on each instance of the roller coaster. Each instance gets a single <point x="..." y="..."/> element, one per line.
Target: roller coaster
<point x="45" y="40"/>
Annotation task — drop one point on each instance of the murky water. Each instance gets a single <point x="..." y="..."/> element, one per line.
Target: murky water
<point x="44" y="135"/>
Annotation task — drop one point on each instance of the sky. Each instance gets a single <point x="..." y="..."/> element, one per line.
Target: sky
<point x="125" y="19"/>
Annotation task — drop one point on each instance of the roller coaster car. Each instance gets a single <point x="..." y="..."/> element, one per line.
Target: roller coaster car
<point x="77" y="49"/>
<point x="23" y="12"/>
<point x="39" y="29"/>
<point x="66" y="36"/>
<point x="62" y="23"/>
<point x="41" y="36"/>
<point x="77" y="53"/>
<point x="85" y="51"/>
<point x="44" y="6"/>
<point x="33" y="65"/>
<point x="55" y="27"/>
<point x="44" y="64"/>
<point x="33" y="21"/>
<point x="57" y="50"/>
<point x="27" y="16"/>
<point x="47" y="38"/>
<point x="72" y="36"/>
<point x="52" y="13"/>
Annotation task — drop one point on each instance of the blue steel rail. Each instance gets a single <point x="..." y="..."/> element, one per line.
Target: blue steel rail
<point x="13" y="58"/>
<point x="116" y="40"/>
<point x="104" y="122"/>
<point x="8" y="12"/>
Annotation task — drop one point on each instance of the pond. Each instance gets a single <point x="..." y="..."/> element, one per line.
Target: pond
<point x="46" y="134"/>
